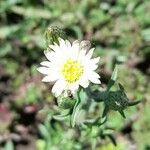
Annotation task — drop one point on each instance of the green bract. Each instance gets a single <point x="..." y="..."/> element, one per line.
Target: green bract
<point x="66" y="102"/>
<point x="116" y="100"/>
<point x="53" y="33"/>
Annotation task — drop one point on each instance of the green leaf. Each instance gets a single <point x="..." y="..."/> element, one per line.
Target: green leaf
<point x="61" y="117"/>
<point x="146" y="34"/>
<point x="43" y="130"/>
<point x="78" y="32"/>
<point x="121" y="87"/>
<point x="98" y="96"/>
<point x="122" y="113"/>
<point x="106" y="109"/>
<point x="102" y="121"/>
<point x="32" y="12"/>
<point x="74" y="114"/>
<point x="9" y="145"/>
<point x="89" y="122"/>
<point x="6" y="31"/>
<point x="113" y="140"/>
<point x="76" y="109"/>
<point x="93" y="143"/>
<point x="133" y="103"/>
<point x="113" y="78"/>
<point x="40" y="144"/>
<point x="82" y="96"/>
<point x="98" y="17"/>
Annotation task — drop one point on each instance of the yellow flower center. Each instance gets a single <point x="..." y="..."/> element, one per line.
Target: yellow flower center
<point x="72" y="70"/>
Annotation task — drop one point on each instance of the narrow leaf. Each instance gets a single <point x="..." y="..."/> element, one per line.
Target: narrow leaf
<point x="113" y="140"/>
<point x="133" y="103"/>
<point x="122" y="113"/>
<point x="93" y="143"/>
<point x="74" y="114"/>
<point x="106" y="109"/>
<point x="9" y="145"/>
<point x="113" y="78"/>
<point x="102" y="121"/>
<point x="76" y="108"/>
<point x="43" y="131"/>
<point x="60" y="117"/>
<point x="121" y="87"/>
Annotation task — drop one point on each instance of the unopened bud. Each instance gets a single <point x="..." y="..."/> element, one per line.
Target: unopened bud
<point x="53" y="33"/>
<point x="117" y="100"/>
<point x="66" y="102"/>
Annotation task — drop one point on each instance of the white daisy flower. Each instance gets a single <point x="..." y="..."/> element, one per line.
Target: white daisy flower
<point x="69" y="66"/>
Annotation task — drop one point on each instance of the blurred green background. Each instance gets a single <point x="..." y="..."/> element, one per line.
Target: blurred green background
<point x="120" y="31"/>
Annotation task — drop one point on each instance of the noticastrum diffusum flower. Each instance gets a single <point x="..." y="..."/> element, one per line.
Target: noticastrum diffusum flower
<point x="69" y="66"/>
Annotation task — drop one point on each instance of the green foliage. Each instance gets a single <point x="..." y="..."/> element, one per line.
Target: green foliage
<point x="119" y="29"/>
<point x="97" y="17"/>
<point x="31" y="96"/>
<point x="55" y="137"/>
<point x="66" y="102"/>
<point x="52" y="34"/>
<point x="112" y="147"/>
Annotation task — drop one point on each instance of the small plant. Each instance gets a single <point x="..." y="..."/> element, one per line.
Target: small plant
<point x="72" y="70"/>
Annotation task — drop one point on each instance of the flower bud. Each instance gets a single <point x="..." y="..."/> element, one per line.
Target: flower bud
<point x="53" y="33"/>
<point x="117" y="100"/>
<point x="66" y="102"/>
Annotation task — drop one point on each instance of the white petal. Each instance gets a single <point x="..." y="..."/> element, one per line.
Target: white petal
<point x="49" y="54"/>
<point x="94" y="77"/>
<point x="82" y="55"/>
<point x="76" y="42"/>
<point x="75" y="49"/>
<point x="94" y="80"/>
<point x="94" y="74"/>
<point x="58" y="87"/>
<point x="84" y="83"/>
<point x="62" y="44"/>
<point x="46" y="63"/>
<point x="74" y="87"/>
<point x="54" y="47"/>
<point x="92" y="66"/>
<point x="46" y="79"/>
<point x="95" y="60"/>
<point x="90" y="53"/>
<point x="68" y="44"/>
<point x="49" y="78"/>
<point x="85" y="45"/>
<point x="43" y="70"/>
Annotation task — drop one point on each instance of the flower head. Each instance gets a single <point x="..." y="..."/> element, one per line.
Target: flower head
<point x="69" y="66"/>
